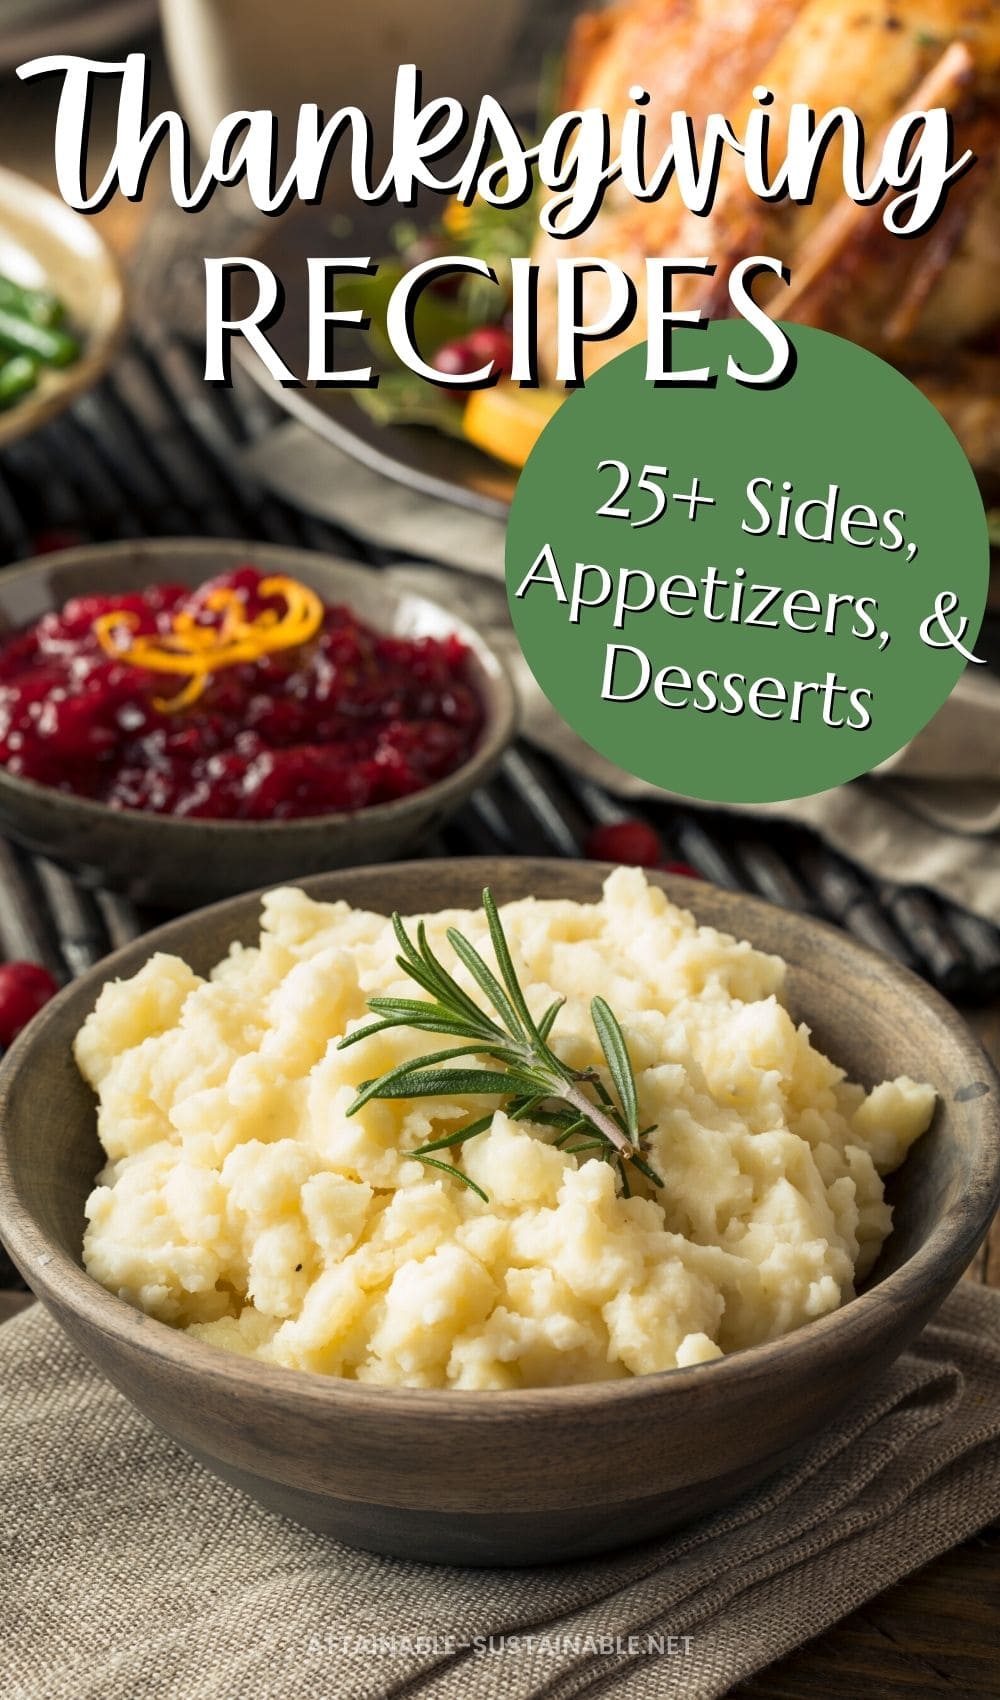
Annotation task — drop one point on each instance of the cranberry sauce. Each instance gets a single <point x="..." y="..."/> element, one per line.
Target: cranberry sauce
<point x="349" y="718"/>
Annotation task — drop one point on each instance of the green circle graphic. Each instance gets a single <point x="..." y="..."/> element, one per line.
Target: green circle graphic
<point x="766" y="605"/>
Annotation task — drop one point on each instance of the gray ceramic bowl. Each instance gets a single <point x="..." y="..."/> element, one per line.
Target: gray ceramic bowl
<point x="158" y="859"/>
<point x="538" y="1474"/>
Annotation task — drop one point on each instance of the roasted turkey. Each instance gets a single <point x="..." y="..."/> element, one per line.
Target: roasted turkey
<point x="930" y="304"/>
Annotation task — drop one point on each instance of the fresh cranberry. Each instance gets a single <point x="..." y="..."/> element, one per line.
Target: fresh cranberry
<point x="456" y="359"/>
<point x="492" y="343"/>
<point x="631" y="842"/>
<point x="24" y="989"/>
<point x="488" y="345"/>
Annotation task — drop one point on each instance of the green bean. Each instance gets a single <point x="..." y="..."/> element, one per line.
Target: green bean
<point x="52" y="347"/>
<point x="18" y="375"/>
<point x="38" y="305"/>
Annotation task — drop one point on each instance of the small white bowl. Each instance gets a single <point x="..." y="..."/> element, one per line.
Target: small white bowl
<point x="45" y="245"/>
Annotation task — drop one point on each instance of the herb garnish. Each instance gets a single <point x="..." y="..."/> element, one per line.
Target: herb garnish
<point x="536" y="1084"/>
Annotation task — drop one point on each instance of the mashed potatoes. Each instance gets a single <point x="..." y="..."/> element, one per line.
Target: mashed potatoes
<point x="241" y="1203"/>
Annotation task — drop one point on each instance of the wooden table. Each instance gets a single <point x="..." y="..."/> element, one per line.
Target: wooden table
<point x="936" y="1633"/>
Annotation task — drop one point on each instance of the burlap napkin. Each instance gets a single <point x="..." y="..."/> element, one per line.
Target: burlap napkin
<point x="129" y="1573"/>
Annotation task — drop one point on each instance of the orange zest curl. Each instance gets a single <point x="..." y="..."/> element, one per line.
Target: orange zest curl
<point x="197" y="651"/>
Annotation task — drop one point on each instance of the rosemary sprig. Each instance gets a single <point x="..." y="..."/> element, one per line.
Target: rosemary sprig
<point x="534" y="1082"/>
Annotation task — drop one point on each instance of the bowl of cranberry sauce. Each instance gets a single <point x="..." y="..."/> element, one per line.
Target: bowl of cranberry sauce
<point x="186" y="719"/>
<point x="288" y="706"/>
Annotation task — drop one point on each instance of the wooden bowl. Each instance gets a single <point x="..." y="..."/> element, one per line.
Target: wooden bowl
<point x="159" y="859"/>
<point x="44" y="244"/>
<point x="537" y="1474"/>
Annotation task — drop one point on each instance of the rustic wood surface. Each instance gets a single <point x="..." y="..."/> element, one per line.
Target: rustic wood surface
<point x="937" y="1632"/>
<point x="934" y="1633"/>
